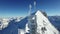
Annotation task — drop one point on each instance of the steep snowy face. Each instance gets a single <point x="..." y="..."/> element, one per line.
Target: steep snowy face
<point x="43" y="24"/>
<point x="3" y="23"/>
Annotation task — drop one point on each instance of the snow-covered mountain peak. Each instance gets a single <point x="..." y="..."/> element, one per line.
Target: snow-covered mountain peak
<point x="43" y="22"/>
<point x="40" y="18"/>
<point x="39" y="13"/>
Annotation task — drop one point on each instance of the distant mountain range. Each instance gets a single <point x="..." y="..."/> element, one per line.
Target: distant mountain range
<point x="15" y="23"/>
<point x="4" y="22"/>
<point x="55" y="20"/>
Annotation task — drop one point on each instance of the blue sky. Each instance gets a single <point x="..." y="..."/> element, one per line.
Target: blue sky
<point x="9" y="8"/>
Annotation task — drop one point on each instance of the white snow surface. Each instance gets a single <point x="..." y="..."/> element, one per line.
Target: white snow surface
<point x="26" y="29"/>
<point x="21" y="31"/>
<point x="42" y="21"/>
<point x="5" y="21"/>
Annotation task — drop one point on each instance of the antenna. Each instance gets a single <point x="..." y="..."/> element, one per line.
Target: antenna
<point x="34" y="5"/>
<point x="30" y="7"/>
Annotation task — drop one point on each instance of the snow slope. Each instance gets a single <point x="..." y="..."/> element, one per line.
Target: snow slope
<point x="42" y="21"/>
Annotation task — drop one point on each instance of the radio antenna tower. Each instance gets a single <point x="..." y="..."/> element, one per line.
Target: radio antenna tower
<point x="30" y="7"/>
<point x="35" y="5"/>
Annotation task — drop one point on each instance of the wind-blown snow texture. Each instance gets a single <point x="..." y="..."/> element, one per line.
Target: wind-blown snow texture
<point x="14" y="26"/>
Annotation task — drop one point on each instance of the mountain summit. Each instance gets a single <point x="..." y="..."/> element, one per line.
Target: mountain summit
<point x="43" y="24"/>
